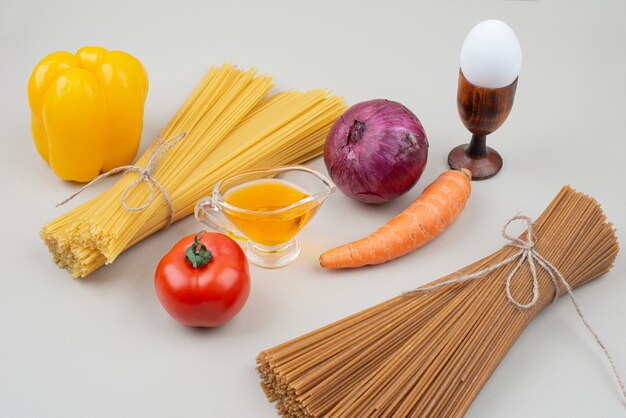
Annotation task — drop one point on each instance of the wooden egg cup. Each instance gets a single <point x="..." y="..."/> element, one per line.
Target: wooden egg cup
<point x="482" y="111"/>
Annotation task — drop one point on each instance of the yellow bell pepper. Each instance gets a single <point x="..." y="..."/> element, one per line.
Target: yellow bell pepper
<point x="87" y="110"/>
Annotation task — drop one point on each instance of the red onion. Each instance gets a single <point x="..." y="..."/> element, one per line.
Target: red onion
<point x="376" y="151"/>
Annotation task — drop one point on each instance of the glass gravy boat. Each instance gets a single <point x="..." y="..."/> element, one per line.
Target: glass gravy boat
<point x="266" y="209"/>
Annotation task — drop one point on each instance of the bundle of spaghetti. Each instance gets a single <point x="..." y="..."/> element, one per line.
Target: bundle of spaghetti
<point x="229" y="127"/>
<point x="429" y="353"/>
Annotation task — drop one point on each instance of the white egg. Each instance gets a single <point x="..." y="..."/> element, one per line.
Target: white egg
<point x="491" y="55"/>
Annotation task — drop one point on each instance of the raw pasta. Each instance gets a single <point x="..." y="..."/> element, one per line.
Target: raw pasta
<point x="428" y="354"/>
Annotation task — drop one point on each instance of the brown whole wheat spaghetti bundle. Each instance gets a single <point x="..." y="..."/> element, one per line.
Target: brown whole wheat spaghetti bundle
<point x="226" y="125"/>
<point x="428" y="353"/>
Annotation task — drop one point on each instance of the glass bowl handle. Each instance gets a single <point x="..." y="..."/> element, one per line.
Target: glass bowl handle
<point x="209" y="213"/>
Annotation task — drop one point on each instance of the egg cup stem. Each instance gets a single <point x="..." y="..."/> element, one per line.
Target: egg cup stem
<point x="477" y="147"/>
<point x="484" y="162"/>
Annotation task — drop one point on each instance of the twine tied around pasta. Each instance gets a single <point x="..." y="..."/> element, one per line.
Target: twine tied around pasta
<point x="161" y="147"/>
<point x="528" y="253"/>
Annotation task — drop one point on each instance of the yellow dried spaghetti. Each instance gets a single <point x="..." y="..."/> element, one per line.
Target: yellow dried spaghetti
<point x="229" y="127"/>
<point x="428" y="354"/>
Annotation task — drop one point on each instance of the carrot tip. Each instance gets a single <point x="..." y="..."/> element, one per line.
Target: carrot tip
<point x="467" y="172"/>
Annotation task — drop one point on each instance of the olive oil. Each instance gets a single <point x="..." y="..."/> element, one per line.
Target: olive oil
<point x="268" y="211"/>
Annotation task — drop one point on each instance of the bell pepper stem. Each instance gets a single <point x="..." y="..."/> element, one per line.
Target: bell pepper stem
<point x="197" y="254"/>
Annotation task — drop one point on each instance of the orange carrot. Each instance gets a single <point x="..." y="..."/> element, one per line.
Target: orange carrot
<point x="431" y="213"/>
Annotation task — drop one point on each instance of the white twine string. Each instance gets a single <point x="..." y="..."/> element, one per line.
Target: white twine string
<point x="161" y="147"/>
<point x="528" y="253"/>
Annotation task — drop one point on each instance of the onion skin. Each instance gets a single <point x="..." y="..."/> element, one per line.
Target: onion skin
<point x="376" y="151"/>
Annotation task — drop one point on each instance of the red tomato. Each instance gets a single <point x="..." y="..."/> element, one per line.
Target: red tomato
<point x="204" y="280"/>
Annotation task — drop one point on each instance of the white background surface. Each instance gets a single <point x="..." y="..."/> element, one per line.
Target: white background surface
<point x="104" y="347"/>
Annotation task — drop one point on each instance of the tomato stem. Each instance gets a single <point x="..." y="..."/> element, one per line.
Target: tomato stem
<point x="197" y="253"/>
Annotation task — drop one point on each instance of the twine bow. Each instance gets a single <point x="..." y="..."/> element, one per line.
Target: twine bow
<point x="527" y="253"/>
<point x="145" y="175"/>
